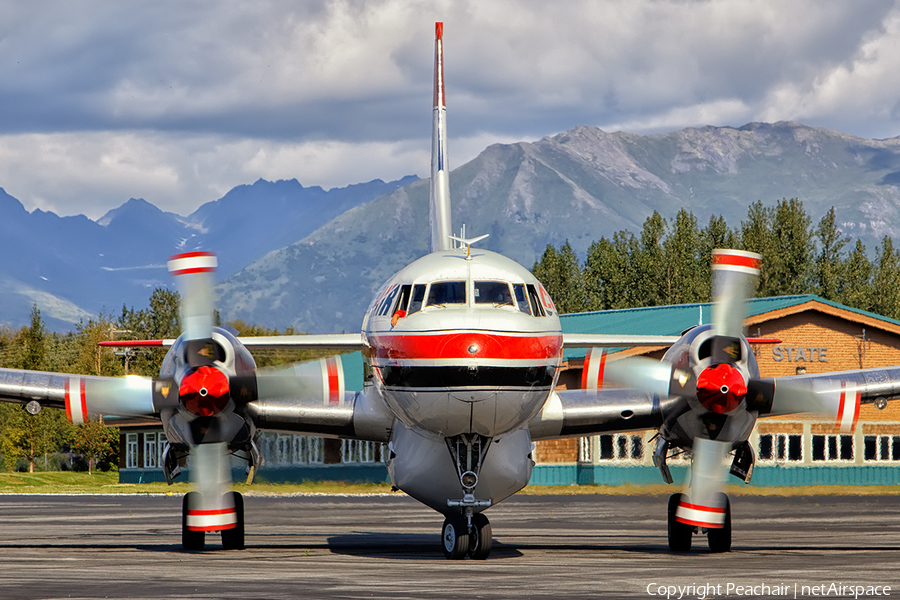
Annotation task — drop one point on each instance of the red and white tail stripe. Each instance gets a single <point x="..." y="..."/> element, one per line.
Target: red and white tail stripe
<point x="192" y="262"/>
<point x="736" y="260"/>
<point x="710" y="517"/>
<point x="212" y="520"/>
<point x="594" y="367"/>
<point x="848" y="410"/>
<point x="76" y="401"/>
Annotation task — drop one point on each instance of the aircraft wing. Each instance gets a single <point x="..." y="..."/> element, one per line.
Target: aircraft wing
<point x="81" y="395"/>
<point x="569" y="413"/>
<point x="837" y="396"/>
<point x="339" y="342"/>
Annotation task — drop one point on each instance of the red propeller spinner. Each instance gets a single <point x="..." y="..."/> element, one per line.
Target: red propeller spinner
<point x="721" y="388"/>
<point x="204" y="391"/>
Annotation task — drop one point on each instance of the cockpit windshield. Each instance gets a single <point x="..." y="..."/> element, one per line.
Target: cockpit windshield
<point x="493" y="292"/>
<point x="447" y="292"/>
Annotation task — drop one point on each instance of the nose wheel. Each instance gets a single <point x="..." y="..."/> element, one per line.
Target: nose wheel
<point x="459" y="539"/>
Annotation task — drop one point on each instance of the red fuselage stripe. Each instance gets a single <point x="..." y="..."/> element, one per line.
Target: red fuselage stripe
<point x="465" y="345"/>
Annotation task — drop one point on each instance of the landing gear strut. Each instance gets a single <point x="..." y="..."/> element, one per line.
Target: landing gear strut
<point x="680" y="534"/>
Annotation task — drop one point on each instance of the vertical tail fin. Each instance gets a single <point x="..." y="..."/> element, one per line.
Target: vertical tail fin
<point x="440" y="183"/>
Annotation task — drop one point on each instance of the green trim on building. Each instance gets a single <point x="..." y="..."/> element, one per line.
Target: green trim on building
<point x="568" y="474"/>
<point x="763" y="476"/>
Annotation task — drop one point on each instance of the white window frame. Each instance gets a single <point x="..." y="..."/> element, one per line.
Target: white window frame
<point x="131" y="451"/>
<point x="151" y="451"/>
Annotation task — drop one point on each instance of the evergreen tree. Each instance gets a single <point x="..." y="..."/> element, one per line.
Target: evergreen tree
<point x="829" y="273"/>
<point x="650" y="263"/>
<point x="610" y="274"/>
<point x="560" y="274"/>
<point x="34" y="342"/>
<point x="856" y="289"/>
<point x="683" y="260"/>
<point x="886" y="280"/>
<point x="757" y="236"/>
<point x="790" y="262"/>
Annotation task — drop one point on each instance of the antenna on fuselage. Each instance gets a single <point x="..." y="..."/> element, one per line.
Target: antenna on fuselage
<point x="468" y="243"/>
<point x="440" y="182"/>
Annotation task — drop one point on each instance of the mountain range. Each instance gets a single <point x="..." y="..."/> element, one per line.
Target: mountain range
<point x="312" y="258"/>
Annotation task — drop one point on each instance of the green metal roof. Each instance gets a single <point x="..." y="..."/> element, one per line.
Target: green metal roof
<point x="673" y="320"/>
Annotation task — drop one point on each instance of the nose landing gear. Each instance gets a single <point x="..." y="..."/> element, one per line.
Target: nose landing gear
<point x="461" y="536"/>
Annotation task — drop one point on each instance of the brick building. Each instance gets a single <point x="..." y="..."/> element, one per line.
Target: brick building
<point x="817" y="336"/>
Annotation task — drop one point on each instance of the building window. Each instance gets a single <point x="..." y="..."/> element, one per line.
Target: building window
<point x="781" y="447"/>
<point x="131" y="451"/>
<point x="621" y="446"/>
<point x="315" y="450"/>
<point x="151" y="451"/>
<point x="832" y="447"/>
<point x="584" y="449"/>
<point x="882" y="447"/>
<point x="356" y="451"/>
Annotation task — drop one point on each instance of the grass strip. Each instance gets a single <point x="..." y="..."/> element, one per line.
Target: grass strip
<point x="67" y="482"/>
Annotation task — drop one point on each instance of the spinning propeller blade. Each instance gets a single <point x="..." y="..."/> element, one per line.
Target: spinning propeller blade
<point x="703" y="504"/>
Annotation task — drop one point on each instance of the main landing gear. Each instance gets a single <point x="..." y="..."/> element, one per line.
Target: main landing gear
<point x="680" y="534"/>
<point x="459" y="537"/>
<point x="193" y="537"/>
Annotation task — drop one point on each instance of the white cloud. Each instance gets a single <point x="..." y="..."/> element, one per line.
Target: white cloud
<point x="176" y="102"/>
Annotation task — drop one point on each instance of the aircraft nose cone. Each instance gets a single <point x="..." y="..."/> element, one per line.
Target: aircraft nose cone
<point x="721" y="388"/>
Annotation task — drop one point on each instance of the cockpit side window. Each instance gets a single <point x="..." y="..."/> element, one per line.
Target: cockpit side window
<point x="521" y="297"/>
<point x="493" y="292"/>
<point x="404" y="298"/>
<point x="418" y="295"/>
<point x="536" y="306"/>
<point x="447" y="292"/>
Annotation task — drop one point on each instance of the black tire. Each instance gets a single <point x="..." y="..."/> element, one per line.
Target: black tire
<point x="233" y="539"/>
<point x="679" y="533"/>
<point x="480" y="537"/>
<point x="455" y="537"/>
<point x="720" y="539"/>
<point x="190" y="540"/>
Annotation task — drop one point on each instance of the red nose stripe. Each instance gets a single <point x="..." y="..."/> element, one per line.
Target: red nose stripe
<point x="466" y="345"/>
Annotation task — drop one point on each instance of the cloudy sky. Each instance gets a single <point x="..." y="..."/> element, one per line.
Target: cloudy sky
<point x="178" y="101"/>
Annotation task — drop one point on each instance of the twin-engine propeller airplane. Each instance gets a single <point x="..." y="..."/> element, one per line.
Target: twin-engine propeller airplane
<point x="463" y="349"/>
